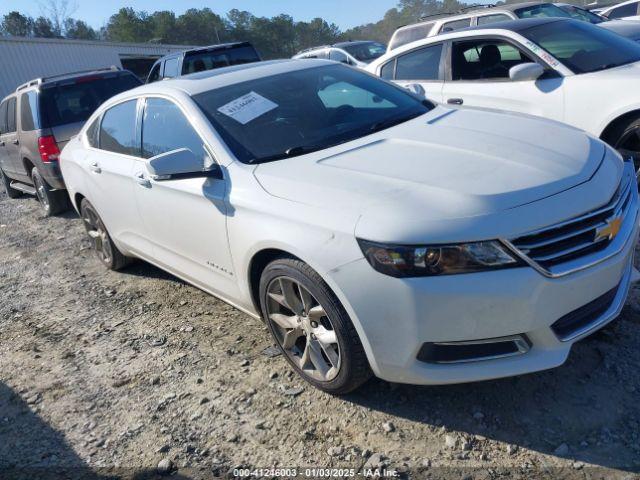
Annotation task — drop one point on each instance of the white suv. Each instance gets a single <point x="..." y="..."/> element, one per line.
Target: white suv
<point x="370" y="229"/>
<point x="560" y="69"/>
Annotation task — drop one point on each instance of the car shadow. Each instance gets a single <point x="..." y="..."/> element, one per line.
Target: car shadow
<point x="575" y="411"/>
<point x="140" y="268"/>
<point x="31" y="449"/>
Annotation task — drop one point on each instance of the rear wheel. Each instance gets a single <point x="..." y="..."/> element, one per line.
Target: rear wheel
<point x="11" y="192"/>
<point x="52" y="201"/>
<point x="311" y="327"/>
<point x="102" y="244"/>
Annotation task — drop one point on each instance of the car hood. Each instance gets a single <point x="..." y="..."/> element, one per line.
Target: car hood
<point x="449" y="163"/>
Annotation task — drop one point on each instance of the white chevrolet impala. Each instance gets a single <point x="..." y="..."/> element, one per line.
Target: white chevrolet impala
<point x="556" y="68"/>
<point x="371" y="230"/>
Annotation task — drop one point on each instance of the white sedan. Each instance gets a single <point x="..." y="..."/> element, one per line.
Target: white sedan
<point x="370" y="229"/>
<point x="560" y="69"/>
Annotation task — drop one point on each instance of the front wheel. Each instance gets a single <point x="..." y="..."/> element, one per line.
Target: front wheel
<point x="11" y="192"/>
<point x="311" y="327"/>
<point x="626" y="139"/>
<point x="104" y="247"/>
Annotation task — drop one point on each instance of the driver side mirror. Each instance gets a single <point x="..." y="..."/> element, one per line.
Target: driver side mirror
<point x="179" y="164"/>
<point x="417" y="89"/>
<point x="526" y="71"/>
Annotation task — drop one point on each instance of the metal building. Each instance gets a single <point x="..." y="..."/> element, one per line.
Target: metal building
<point x="23" y="59"/>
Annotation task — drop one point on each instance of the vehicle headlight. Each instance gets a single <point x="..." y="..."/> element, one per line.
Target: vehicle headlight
<point x="429" y="260"/>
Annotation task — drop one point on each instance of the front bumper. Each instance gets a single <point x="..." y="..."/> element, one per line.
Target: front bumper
<point x="396" y="317"/>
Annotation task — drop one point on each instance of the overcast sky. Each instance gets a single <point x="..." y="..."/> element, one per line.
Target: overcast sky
<point x="344" y="13"/>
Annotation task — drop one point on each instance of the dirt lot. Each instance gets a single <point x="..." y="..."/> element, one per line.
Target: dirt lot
<point x="107" y="374"/>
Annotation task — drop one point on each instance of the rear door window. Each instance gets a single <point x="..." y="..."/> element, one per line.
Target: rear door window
<point x="154" y="76"/>
<point x="93" y="133"/>
<point x="388" y="70"/>
<point x="421" y="64"/>
<point x="165" y="128"/>
<point x="118" y="129"/>
<point x="496" y="17"/>
<point x="3" y="117"/>
<point x="170" y="67"/>
<point x="11" y="115"/>
<point x="455" y="25"/>
<point x="76" y="100"/>
<point x="410" y="34"/>
<point x="29" y="116"/>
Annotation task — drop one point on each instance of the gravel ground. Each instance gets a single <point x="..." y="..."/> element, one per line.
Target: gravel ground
<point x="116" y="374"/>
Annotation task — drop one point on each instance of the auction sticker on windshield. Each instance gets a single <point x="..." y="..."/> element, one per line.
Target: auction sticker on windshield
<point x="247" y="108"/>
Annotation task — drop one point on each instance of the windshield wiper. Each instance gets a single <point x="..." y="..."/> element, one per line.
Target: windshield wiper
<point x="291" y="152"/>
<point x="390" y="122"/>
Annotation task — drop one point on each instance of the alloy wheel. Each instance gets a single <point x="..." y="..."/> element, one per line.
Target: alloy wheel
<point x="41" y="192"/>
<point x="628" y="145"/>
<point x="303" y="329"/>
<point x="98" y="234"/>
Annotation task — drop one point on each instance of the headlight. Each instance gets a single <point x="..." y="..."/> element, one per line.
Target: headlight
<point x="423" y="261"/>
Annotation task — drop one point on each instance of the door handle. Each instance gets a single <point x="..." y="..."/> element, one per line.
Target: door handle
<point x="142" y="180"/>
<point x="95" y="168"/>
<point x="1" y="144"/>
<point x="455" y="101"/>
<point x="16" y="142"/>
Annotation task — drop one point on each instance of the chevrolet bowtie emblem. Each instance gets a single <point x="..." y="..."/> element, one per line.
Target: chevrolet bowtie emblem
<point x="610" y="230"/>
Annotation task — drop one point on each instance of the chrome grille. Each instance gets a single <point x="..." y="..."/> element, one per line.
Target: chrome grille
<point x="554" y="246"/>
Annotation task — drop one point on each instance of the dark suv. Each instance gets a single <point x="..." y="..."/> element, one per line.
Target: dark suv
<point x="201" y="59"/>
<point x="39" y="118"/>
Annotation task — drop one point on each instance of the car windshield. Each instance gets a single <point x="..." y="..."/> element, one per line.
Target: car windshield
<point x="543" y="10"/>
<point x="582" y="14"/>
<point x="583" y="47"/>
<point x="75" y="100"/>
<point x="298" y="112"/>
<point x="366" y="52"/>
<point x="209" y="60"/>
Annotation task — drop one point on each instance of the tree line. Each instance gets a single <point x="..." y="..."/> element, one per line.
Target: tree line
<point x="276" y="37"/>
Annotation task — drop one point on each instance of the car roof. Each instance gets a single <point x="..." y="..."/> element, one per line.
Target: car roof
<point x="195" y="83"/>
<point x="54" y="79"/>
<point x="472" y="11"/>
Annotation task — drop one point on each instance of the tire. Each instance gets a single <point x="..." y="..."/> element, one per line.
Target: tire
<point x="105" y="249"/>
<point x="11" y="192"/>
<point x="625" y="138"/>
<point x="307" y="324"/>
<point x="51" y="201"/>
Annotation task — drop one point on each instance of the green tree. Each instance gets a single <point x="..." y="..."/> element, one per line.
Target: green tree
<point x="129" y="26"/>
<point x="200" y="27"/>
<point x="16" y="24"/>
<point x="163" y="27"/>
<point x="43" y="28"/>
<point x="79" y="30"/>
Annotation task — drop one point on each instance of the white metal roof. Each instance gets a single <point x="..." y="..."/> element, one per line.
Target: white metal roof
<point x="23" y="59"/>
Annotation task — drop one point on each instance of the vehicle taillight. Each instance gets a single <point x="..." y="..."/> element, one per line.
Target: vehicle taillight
<point x="49" y="151"/>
